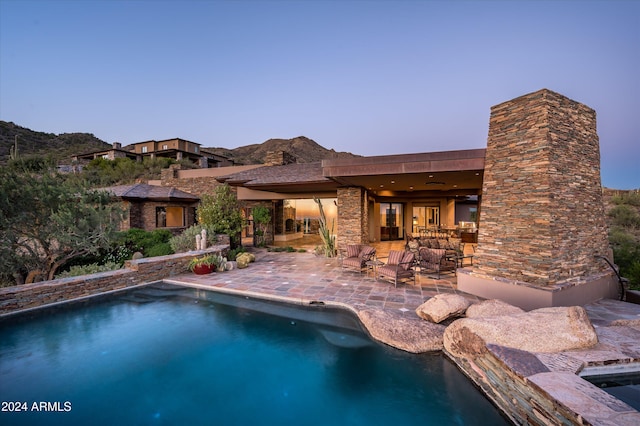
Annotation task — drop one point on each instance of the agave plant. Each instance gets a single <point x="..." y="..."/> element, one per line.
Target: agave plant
<point x="327" y="235"/>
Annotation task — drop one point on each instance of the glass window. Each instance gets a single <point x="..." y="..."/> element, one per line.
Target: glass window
<point x="169" y="217"/>
<point x="144" y="149"/>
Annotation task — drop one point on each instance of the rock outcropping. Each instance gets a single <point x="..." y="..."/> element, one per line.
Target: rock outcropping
<point x="541" y="330"/>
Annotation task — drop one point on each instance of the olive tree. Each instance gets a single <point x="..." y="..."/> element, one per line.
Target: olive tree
<point x="47" y="220"/>
<point x="261" y="217"/>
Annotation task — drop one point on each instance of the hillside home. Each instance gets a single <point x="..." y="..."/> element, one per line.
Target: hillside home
<point x="177" y="149"/>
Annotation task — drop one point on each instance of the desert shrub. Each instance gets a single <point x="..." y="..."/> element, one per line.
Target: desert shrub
<point x="624" y="215"/>
<point x="626" y="254"/>
<point x="187" y="240"/>
<point x="161" y="249"/>
<point x="233" y="253"/>
<point x="78" y="270"/>
<point x="631" y="198"/>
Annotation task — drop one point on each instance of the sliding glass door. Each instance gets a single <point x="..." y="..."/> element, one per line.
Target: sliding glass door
<point x="391" y="221"/>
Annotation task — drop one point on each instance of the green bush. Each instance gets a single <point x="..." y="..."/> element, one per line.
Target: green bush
<point x="626" y="254"/>
<point x="161" y="249"/>
<point x="233" y="253"/>
<point x="624" y="215"/>
<point x="78" y="270"/>
<point x="630" y="198"/>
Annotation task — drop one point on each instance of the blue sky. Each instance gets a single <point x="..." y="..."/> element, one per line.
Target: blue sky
<point x="368" y="77"/>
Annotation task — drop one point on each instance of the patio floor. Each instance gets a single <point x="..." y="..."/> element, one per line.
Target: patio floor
<point x="307" y="277"/>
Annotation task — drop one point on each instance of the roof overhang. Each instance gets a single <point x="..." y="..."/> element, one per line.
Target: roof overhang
<point x="423" y="174"/>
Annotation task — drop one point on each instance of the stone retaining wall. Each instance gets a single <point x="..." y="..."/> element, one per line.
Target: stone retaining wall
<point x="135" y="272"/>
<point x="522" y="402"/>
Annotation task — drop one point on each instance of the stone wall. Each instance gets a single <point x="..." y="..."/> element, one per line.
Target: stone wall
<point x="279" y="158"/>
<point x="543" y="217"/>
<point x="135" y="272"/>
<point x="353" y="217"/>
<point x="194" y="185"/>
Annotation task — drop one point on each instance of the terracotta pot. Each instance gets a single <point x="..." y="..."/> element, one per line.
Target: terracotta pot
<point x="203" y="269"/>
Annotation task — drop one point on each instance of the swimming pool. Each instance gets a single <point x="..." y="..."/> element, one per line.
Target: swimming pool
<point x="619" y="380"/>
<point x="173" y="355"/>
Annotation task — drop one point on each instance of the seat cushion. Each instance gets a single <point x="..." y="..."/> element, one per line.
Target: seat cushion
<point x="395" y="257"/>
<point x="353" y="262"/>
<point x="407" y="260"/>
<point x="366" y="252"/>
<point x="353" y="250"/>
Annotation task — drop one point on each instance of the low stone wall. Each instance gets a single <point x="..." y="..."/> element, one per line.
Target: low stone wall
<point x="135" y="272"/>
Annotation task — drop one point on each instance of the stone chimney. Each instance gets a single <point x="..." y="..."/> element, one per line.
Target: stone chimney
<point x="542" y="219"/>
<point x="279" y="158"/>
<point x="117" y="145"/>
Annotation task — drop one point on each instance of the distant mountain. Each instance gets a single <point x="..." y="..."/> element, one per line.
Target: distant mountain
<point x="60" y="147"/>
<point x="304" y="149"/>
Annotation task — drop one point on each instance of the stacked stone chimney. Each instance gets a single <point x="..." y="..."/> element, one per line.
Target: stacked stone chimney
<point x="542" y="216"/>
<point x="279" y="158"/>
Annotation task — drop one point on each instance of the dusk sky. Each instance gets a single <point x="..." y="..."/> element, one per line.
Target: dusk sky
<point x="368" y="77"/>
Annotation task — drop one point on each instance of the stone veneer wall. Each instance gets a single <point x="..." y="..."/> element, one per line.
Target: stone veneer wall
<point x="193" y="185"/>
<point x="542" y="217"/>
<point x="353" y="217"/>
<point x="279" y="158"/>
<point x="135" y="272"/>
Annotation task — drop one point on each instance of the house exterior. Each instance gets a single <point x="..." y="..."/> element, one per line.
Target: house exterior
<point x="176" y="148"/>
<point x="530" y="202"/>
<point x="151" y="207"/>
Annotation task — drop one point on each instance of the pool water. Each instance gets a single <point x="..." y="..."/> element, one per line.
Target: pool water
<point x="165" y="355"/>
<point x="624" y="386"/>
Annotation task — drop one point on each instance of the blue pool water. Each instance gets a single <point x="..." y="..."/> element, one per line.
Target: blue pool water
<point x="164" y="355"/>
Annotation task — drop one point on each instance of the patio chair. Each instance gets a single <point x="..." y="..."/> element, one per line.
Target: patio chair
<point x="399" y="267"/>
<point x="435" y="261"/>
<point x="357" y="256"/>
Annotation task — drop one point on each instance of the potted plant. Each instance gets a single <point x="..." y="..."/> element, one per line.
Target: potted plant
<point x="203" y="264"/>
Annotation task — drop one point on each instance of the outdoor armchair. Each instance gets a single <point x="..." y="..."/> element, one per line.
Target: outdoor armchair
<point x="357" y="256"/>
<point x="399" y="266"/>
<point x="436" y="261"/>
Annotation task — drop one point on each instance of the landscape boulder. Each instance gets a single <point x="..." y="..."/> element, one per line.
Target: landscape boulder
<point x="541" y="330"/>
<point x="491" y="308"/>
<point x="243" y="260"/>
<point x="407" y="333"/>
<point x="442" y="307"/>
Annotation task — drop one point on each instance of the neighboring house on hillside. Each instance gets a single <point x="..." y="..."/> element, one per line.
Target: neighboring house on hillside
<point x="156" y="207"/>
<point x="177" y="149"/>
